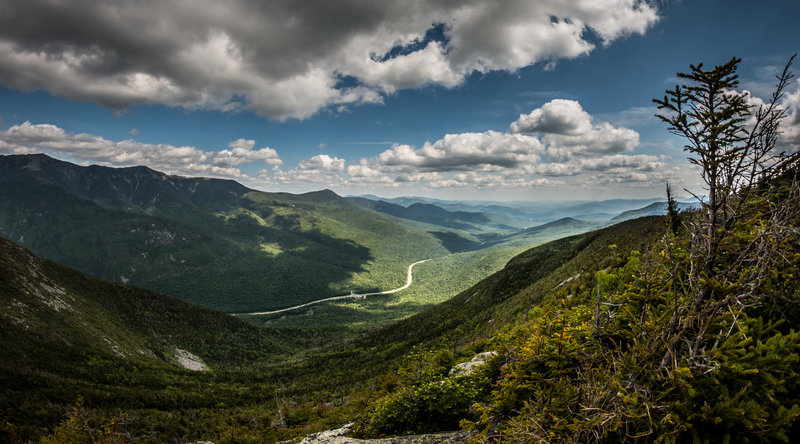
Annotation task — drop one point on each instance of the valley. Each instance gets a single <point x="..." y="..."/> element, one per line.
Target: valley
<point x="532" y="312"/>
<point x="377" y="222"/>
<point x="118" y="344"/>
<point x="223" y="246"/>
<point x="352" y="295"/>
<point x="332" y="293"/>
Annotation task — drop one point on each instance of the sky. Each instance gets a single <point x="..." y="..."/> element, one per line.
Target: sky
<point x="453" y="99"/>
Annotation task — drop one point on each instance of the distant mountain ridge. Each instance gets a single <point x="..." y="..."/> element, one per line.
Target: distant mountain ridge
<point x="139" y="186"/>
<point x="433" y="214"/>
<point x="210" y="241"/>
<point x="523" y="214"/>
<point x="222" y="245"/>
<point x="654" y="209"/>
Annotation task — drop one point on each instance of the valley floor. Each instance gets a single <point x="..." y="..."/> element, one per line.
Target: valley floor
<point x="408" y="283"/>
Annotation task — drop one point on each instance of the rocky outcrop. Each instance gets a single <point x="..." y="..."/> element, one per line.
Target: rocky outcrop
<point x="337" y="436"/>
<point x="190" y="361"/>
<point x="468" y="367"/>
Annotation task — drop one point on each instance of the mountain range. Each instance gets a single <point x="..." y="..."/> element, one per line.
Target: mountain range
<point x="582" y="323"/>
<point x="103" y="357"/>
<point x="525" y="214"/>
<point x="224" y="246"/>
<point x="208" y="241"/>
<point x="65" y="334"/>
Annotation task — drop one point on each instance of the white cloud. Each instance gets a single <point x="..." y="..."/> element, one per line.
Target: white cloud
<point x="556" y="144"/>
<point x="363" y="170"/>
<point x="555" y="169"/>
<point x="568" y="131"/>
<point x="320" y="171"/>
<point x="488" y="160"/>
<point x="241" y="151"/>
<point x="186" y="160"/>
<point x="640" y="162"/>
<point x="466" y="151"/>
<point x="285" y="60"/>
<point x="558" y="116"/>
<point x="790" y="126"/>
<point x="322" y="162"/>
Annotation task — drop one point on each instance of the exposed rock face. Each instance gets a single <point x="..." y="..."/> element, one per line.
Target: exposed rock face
<point x="466" y="368"/>
<point x="190" y="361"/>
<point x="336" y="436"/>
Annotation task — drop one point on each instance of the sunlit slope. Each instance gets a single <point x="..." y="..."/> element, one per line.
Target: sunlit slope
<point x="509" y="293"/>
<point x="434" y="281"/>
<point x="467" y="322"/>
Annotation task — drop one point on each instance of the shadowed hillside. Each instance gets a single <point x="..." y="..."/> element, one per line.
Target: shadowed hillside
<point x="209" y="241"/>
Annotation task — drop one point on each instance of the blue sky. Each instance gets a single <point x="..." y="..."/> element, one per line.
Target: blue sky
<point x="460" y="100"/>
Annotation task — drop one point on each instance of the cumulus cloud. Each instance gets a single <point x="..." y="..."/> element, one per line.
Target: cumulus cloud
<point x="186" y="160"/>
<point x="320" y="171"/>
<point x="639" y="162"/>
<point x="322" y="162"/>
<point x="363" y="170"/>
<point x="790" y="138"/>
<point x="466" y="151"/>
<point x="241" y="151"/>
<point x="557" y="140"/>
<point x="477" y="180"/>
<point x="285" y="59"/>
<point x="555" y="169"/>
<point x="568" y="131"/>
<point x="558" y="116"/>
<point x="525" y="156"/>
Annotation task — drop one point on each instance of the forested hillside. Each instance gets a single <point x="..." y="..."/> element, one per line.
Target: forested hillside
<point x="208" y="241"/>
<point x="66" y="336"/>
<point x="689" y="336"/>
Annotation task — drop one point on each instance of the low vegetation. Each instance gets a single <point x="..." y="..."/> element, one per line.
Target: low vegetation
<point x="691" y="338"/>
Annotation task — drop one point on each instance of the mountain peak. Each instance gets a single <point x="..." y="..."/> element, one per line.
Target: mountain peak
<point x="321" y="195"/>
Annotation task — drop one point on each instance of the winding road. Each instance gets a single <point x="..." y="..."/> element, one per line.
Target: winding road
<point x="338" y="298"/>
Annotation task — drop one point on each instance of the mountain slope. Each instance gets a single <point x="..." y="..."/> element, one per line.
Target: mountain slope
<point x="209" y="241"/>
<point x="654" y="209"/>
<point x="457" y="230"/>
<point x="437" y="280"/>
<point x="499" y="298"/>
<point x="93" y="336"/>
<point x="496" y="302"/>
<point x="64" y="334"/>
<point x="428" y="395"/>
<point x="45" y="305"/>
<point x="546" y="232"/>
<point x="602" y="337"/>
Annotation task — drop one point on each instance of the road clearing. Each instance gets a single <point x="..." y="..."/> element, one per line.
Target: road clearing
<point x="409" y="280"/>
